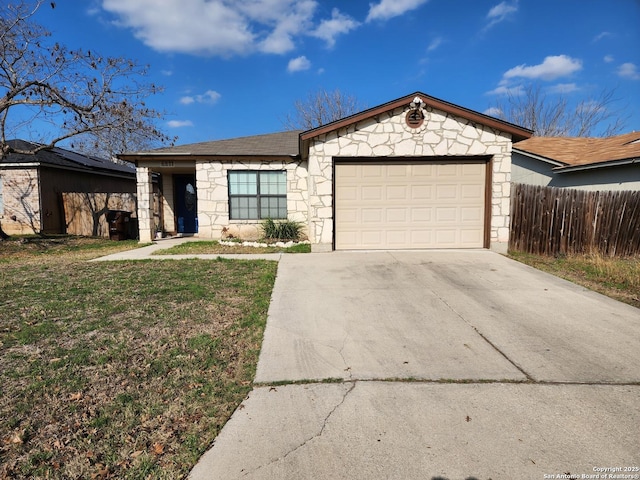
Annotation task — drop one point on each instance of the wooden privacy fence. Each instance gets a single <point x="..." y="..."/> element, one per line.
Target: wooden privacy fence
<point x="85" y="213"/>
<point x="552" y="221"/>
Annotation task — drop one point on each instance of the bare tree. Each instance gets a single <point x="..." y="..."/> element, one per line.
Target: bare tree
<point x="55" y="93"/>
<point x="555" y="117"/>
<point x="65" y="93"/>
<point x="131" y="132"/>
<point x="321" y="107"/>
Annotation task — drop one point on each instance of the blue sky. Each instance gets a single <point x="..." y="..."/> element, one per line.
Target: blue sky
<point x="235" y="67"/>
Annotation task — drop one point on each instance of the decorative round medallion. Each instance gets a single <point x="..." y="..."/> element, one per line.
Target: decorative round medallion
<point x="415" y="118"/>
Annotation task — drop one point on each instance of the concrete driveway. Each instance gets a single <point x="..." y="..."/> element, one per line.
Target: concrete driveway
<point x="437" y="365"/>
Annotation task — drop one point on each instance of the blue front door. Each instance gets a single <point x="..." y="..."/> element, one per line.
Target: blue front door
<point x="186" y="204"/>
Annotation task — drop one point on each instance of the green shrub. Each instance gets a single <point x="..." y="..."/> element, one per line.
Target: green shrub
<point x="284" y="230"/>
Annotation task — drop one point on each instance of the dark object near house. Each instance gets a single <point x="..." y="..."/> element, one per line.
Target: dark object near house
<point x="118" y="224"/>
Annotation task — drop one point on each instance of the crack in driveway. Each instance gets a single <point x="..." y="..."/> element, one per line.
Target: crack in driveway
<point x="493" y="345"/>
<point x="313" y="437"/>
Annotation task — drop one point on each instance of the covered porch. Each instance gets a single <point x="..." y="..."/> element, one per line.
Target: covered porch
<point x="174" y="210"/>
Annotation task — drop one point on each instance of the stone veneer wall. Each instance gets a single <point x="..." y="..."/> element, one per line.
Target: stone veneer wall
<point x="213" y="199"/>
<point x="145" y="204"/>
<point x="21" y="200"/>
<point x="388" y="135"/>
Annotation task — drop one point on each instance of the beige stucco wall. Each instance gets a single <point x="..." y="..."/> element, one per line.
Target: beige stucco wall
<point x="213" y="200"/>
<point x="21" y="201"/>
<point x="388" y="135"/>
<point x="168" y="214"/>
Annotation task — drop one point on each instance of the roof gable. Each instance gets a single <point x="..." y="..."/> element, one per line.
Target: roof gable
<point x="518" y="133"/>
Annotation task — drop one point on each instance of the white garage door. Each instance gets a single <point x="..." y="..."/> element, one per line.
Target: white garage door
<point x="409" y="205"/>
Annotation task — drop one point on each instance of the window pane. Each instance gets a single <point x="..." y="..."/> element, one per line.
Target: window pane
<point x="273" y="207"/>
<point x="243" y="183"/>
<point x="273" y="183"/>
<point x="243" y="208"/>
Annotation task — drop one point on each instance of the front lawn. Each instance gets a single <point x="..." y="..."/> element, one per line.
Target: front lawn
<point x="213" y="247"/>
<point x="618" y="278"/>
<point x="121" y="369"/>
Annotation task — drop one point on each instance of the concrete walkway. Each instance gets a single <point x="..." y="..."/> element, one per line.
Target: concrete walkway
<point x="435" y="365"/>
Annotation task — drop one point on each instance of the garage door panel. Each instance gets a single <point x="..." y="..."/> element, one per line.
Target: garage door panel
<point x="446" y="237"/>
<point x="446" y="192"/>
<point x="397" y="171"/>
<point x="421" y="192"/>
<point x="409" y="205"/>
<point x="472" y="192"/>
<point x="397" y="192"/>
<point x="347" y="193"/>
<point x="447" y="170"/>
<point x="472" y="169"/>
<point x="446" y="214"/>
<point x="422" y="214"/>
<point x="372" y="215"/>
<point x="372" y="239"/>
<point x="421" y="238"/>
<point x="422" y="170"/>
<point x="470" y="236"/>
<point x="349" y="215"/>
<point x="396" y="215"/>
<point x="375" y="172"/>
<point x="396" y="238"/>
<point x="472" y="215"/>
<point x="372" y="193"/>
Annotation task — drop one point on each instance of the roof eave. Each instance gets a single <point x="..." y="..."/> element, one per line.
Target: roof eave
<point x="535" y="156"/>
<point x="593" y="166"/>
<point x="150" y="156"/>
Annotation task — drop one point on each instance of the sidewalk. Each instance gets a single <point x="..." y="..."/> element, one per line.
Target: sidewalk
<point x="147" y="253"/>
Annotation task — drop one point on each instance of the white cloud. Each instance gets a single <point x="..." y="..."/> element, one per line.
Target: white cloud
<point x="435" y="43"/>
<point x="629" y="70"/>
<point x="338" y="24"/>
<point x="227" y="28"/>
<point x="286" y="18"/>
<point x="298" y="64"/>
<point x="608" y="58"/>
<point x="551" y="68"/>
<point x="600" y="36"/>
<point x="179" y="123"/>
<point x="197" y="26"/>
<point x="493" y="111"/>
<point x="387" y="9"/>
<point x="500" y="12"/>
<point x="504" y="90"/>
<point x="209" y="97"/>
<point x="563" y="88"/>
<point x="166" y="73"/>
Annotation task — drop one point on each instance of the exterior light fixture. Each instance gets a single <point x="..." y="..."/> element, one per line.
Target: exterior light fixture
<point x="415" y="115"/>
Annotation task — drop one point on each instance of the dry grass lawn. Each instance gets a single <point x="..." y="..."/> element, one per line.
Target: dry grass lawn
<point x="121" y="369"/>
<point x="617" y="278"/>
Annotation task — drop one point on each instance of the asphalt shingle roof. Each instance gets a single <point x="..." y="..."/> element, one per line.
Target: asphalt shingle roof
<point x="576" y="151"/>
<point x="273" y="144"/>
<point x="59" y="157"/>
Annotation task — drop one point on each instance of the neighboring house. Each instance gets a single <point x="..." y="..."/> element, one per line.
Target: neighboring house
<point x="416" y="172"/>
<point x="611" y="163"/>
<point x="32" y="186"/>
